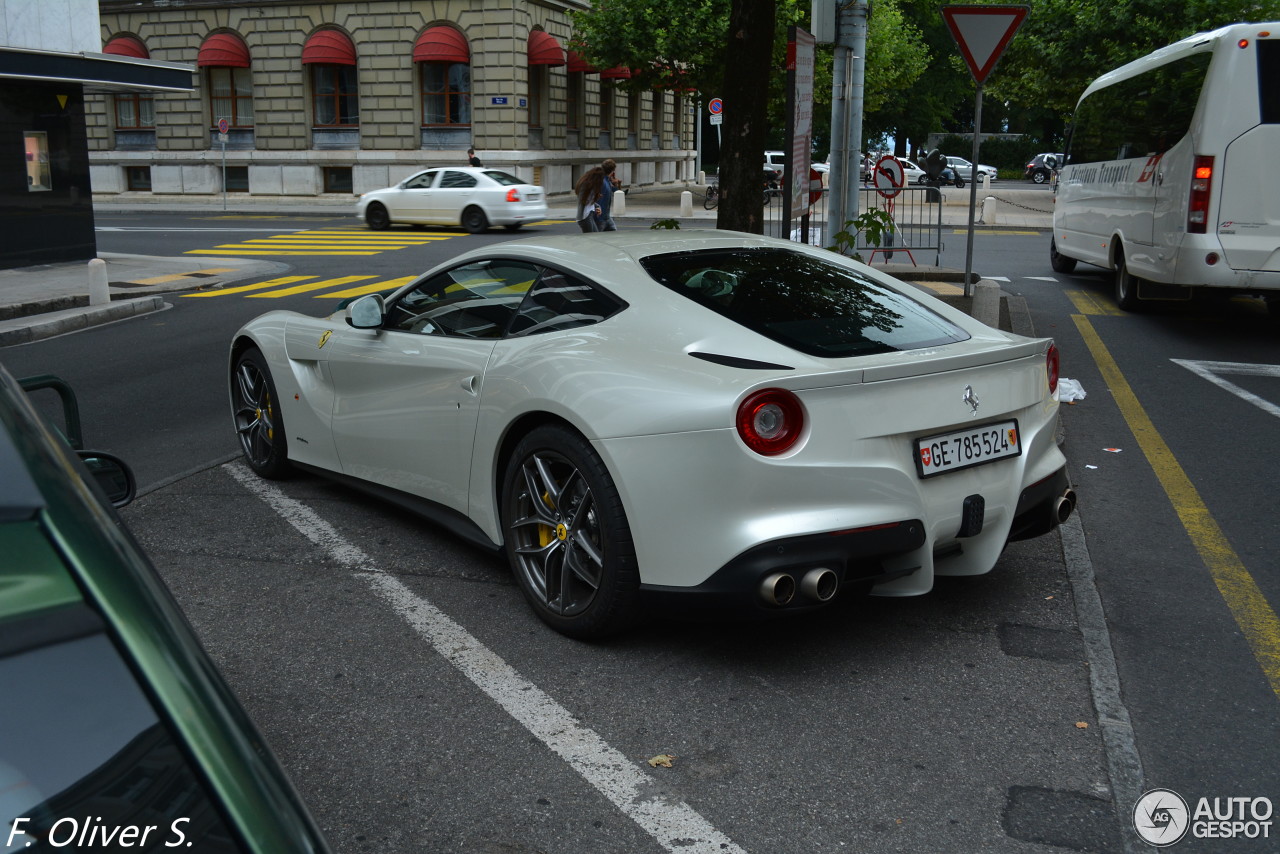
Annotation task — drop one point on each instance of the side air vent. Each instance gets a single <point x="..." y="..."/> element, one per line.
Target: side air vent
<point x="738" y="362"/>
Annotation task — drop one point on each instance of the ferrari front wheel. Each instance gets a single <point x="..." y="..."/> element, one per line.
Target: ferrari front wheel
<point x="256" y="412"/>
<point x="566" y="535"/>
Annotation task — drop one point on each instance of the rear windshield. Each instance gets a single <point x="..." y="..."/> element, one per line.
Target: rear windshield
<point x="1269" y="80"/>
<point x="811" y="305"/>
<point x="503" y="178"/>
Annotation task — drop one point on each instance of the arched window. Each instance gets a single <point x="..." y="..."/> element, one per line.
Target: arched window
<point x="225" y="61"/>
<point x="544" y="53"/>
<point x="133" y="110"/>
<point x="335" y="95"/>
<point x="444" y="60"/>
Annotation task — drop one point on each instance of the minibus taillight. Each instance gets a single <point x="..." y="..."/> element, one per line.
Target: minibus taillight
<point x="1201" y="184"/>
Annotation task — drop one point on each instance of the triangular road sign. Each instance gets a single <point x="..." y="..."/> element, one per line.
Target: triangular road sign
<point x="983" y="32"/>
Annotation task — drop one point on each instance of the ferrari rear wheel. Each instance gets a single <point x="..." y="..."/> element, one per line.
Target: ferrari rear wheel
<point x="376" y="217"/>
<point x="566" y="535"/>
<point x="256" y="411"/>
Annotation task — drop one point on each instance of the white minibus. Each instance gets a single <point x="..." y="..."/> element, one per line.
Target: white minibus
<point x="1173" y="171"/>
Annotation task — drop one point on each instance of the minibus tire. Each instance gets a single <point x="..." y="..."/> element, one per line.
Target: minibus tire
<point x="1126" y="284"/>
<point x="1059" y="263"/>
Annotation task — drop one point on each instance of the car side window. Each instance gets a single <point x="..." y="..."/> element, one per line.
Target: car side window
<point x="421" y="182"/>
<point x="476" y="300"/>
<point x="561" y="302"/>
<point x="457" y="180"/>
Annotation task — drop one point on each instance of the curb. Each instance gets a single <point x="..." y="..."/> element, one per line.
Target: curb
<point x="73" y="320"/>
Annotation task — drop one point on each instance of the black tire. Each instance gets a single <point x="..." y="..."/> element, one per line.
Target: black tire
<point x="959" y="183"/>
<point x="259" y="424"/>
<point x="1040" y="176"/>
<point x="711" y="199"/>
<point x="923" y="180"/>
<point x="1060" y="263"/>
<point x="376" y="217"/>
<point x="566" y="535"/>
<point x="474" y="220"/>
<point x="513" y="227"/>
<point x="1126" y="283"/>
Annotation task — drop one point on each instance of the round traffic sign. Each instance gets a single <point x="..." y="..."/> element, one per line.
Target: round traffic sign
<point x="716" y="106"/>
<point x="888" y="176"/>
<point x="223" y="125"/>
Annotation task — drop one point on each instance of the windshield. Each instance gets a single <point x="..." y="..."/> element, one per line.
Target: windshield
<point x="806" y="303"/>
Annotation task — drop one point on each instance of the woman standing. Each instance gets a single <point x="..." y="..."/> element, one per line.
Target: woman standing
<point x="590" y="189"/>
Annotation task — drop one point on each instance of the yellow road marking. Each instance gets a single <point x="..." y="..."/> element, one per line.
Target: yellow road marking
<point x="941" y="288"/>
<point x="270" y="283"/>
<point x="310" y="286"/>
<point x="1252" y="613"/>
<point x="388" y="285"/>
<point x="1087" y="303"/>
<point x="223" y="250"/>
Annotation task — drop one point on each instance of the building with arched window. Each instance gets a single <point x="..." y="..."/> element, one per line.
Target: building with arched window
<point x="345" y="97"/>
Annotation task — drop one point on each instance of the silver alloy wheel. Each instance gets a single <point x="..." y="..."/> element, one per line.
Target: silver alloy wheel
<point x="556" y="534"/>
<point x="255" y="414"/>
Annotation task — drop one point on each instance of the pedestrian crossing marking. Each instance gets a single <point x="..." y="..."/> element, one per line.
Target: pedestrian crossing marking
<point x="260" y="286"/>
<point x="327" y="241"/>
<point x="310" y="286"/>
<point x="388" y="285"/>
<point x="1087" y="303"/>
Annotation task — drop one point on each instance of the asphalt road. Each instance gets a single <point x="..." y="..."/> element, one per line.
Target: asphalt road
<point x="948" y="723"/>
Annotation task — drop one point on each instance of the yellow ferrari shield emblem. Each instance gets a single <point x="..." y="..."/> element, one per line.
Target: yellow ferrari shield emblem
<point x="324" y="339"/>
<point x="562" y="532"/>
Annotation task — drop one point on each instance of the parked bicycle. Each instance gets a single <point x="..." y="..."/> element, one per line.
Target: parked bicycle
<point x="712" y="198"/>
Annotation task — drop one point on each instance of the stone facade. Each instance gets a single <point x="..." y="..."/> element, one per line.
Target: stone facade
<point x="650" y="134"/>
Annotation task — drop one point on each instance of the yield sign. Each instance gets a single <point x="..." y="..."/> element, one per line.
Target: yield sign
<point x="983" y="32"/>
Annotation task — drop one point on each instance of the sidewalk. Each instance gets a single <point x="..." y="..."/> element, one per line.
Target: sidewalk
<point x="52" y="299"/>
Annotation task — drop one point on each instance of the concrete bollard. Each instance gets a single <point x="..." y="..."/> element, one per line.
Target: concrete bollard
<point x="990" y="208"/>
<point x="619" y="203"/>
<point x="686" y="204"/>
<point x="986" y="182"/>
<point x="986" y="303"/>
<point x="702" y="179"/>
<point x="99" y="292"/>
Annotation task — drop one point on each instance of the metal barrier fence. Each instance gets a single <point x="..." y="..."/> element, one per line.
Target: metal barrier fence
<point x="916" y="213"/>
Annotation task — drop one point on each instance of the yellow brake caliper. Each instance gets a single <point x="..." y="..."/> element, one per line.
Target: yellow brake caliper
<point x="545" y="532"/>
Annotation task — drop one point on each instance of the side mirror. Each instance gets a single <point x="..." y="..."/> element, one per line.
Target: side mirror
<point x="366" y="312"/>
<point x="112" y="475"/>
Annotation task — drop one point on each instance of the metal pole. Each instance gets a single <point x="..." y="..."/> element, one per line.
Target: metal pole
<point x="973" y="192"/>
<point x="838" y="156"/>
<point x="224" y="170"/>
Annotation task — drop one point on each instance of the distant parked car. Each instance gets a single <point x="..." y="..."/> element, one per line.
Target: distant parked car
<point x="1044" y="166"/>
<point x="964" y="169"/>
<point x="472" y="197"/>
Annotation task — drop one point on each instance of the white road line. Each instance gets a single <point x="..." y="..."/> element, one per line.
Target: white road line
<point x="674" y="824"/>
<point x="1212" y="371"/>
<point x="1040" y="278"/>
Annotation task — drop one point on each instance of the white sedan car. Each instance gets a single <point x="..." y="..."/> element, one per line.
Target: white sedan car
<point x="472" y="197"/>
<point x="638" y="417"/>
<point x="964" y="169"/>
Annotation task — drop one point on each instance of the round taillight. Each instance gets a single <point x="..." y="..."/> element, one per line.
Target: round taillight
<point x="1211" y="258"/>
<point x="1051" y="362"/>
<point x="770" y="421"/>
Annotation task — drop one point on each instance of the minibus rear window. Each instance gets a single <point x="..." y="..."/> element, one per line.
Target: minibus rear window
<point x="1269" y="80"/>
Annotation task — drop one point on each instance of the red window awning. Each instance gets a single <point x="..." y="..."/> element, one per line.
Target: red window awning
<point x="441" y="44"/>
<point x="616" y="73"/>
<point x="127" y="46"/>
<point x="223" y="49"/>
<point x="331" y="47"/>
<point x="577" y="63"/>
<point x="544" y="49"/>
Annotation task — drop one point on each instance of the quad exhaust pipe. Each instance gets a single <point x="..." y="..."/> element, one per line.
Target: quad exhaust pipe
<point x="1064" y="506"/>
<point x="817" y="585"/>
